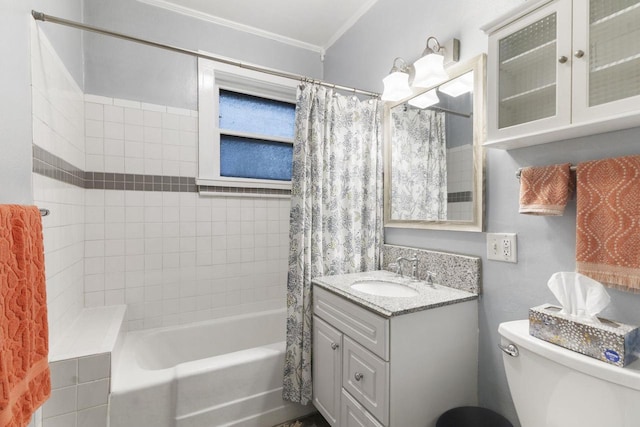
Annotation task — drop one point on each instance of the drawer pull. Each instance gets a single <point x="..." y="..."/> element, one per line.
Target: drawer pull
<point x="358" y="376"/>
<point x="334" y="346"/>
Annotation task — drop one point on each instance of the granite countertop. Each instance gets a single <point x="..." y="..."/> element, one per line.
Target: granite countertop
<point x="428" y="296"/>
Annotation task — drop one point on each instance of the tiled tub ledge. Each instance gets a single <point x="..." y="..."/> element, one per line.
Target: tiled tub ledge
<point x="81" y="369"/>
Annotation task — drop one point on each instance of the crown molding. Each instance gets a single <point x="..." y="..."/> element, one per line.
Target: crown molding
<point x="349" y="23"/>
<point x="234" y="25"/>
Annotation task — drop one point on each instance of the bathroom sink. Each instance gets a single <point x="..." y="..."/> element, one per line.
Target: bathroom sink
<point x="384" y="288"/>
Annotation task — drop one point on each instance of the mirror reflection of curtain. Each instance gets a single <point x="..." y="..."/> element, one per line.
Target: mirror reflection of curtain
<point x="419" y="165"/>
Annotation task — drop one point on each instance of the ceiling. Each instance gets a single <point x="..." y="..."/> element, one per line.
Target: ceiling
<point x="312" y="24"/>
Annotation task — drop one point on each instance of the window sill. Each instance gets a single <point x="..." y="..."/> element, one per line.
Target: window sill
<point x="244" y="183"/>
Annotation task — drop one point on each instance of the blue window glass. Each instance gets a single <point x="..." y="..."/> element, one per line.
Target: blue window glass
<point x="254" y="158"/>
<point x="252" y="114"/>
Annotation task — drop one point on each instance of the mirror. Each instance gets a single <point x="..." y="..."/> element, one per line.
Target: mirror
<point x="434" y="160"/>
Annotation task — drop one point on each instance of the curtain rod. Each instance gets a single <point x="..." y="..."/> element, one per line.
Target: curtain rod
<point x="40" y="16"/>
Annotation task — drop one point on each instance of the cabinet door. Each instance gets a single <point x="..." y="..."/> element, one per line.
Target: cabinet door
<point x="606" y="58"/>
<point x="327" y="370"/>
<point x="530" y="73"/>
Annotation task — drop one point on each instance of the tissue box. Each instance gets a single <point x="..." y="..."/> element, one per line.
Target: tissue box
<point x="611" y="342"/>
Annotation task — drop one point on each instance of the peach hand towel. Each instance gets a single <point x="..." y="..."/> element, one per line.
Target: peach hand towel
<point x="544" y="190"/>
<point x="608" y="221"/>
<point x="24" y="370"/>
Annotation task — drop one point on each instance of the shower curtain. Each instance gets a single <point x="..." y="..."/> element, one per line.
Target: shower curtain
<point x="336" y="210"/>
<point x="419" y="158"/>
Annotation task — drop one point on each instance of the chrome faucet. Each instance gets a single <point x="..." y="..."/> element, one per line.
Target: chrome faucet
<point x="414" y="266"/>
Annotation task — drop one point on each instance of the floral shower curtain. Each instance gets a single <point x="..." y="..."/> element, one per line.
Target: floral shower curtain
<point x="419" y="157"/>
<point x="336" y="210"/>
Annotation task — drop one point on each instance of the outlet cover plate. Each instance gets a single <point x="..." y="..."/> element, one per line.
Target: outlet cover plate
<point x="502" y="247"/>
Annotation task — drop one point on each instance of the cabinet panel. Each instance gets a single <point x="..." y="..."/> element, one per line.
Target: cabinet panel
<point x="367" y="328"/>
<point x="352" y="414"/>
<point x="327" y="370"/>
<point x="366" y="377"/>
<point x="529" y="82"/>
<point x="606" y="75"/>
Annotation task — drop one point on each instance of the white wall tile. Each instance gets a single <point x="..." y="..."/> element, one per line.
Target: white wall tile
<point x="93" y="368"/>
<point x="62" y="401"/>
<point x="175" y="257"/>
<point x="93" y="417"/>
<point x="64" y="373"/>
<point x="67" y="420"/>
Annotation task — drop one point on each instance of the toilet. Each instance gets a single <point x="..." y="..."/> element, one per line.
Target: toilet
<point x="555" y="387"/>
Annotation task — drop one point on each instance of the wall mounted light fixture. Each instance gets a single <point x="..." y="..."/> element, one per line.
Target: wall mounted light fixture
<point x="427" y="71"/>
<point x="396" y="84"/>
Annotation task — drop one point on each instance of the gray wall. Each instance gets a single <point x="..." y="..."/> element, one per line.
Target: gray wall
<point x="122" y="69"/>
<point x="15" y="89"/>
<point x="545" y="244"/>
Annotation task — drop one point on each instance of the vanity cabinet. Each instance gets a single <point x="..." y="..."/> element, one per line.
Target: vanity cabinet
<point x="406" y="370"/>
<point x="562" y="69"/>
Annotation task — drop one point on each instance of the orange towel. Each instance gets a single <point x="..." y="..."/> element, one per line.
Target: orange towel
<point x="24" y="370"/>
<point x="545" y="190"/>
<point x="608" y="221"/>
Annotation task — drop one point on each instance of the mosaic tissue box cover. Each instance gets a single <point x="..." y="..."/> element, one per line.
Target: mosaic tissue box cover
<point x="611" y="342"/>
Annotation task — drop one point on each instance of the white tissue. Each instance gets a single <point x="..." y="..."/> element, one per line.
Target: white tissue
<point x="579" y="295"/>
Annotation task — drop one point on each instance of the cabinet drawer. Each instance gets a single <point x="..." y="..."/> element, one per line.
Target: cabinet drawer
<point x="366" y="377"/>
<point x="353" y="414"/>
<point x="367" y="328"/>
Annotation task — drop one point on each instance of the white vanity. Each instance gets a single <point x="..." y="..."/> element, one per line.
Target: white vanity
<point x="392" y="361"/>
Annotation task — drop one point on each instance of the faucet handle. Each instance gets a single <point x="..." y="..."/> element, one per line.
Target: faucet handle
<point x="430" y="276"/>
<point x="396" y="266"/>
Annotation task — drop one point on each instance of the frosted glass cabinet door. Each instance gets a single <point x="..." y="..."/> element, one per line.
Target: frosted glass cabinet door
<point x="606" y="58"/>
<point x="530" y="75"/>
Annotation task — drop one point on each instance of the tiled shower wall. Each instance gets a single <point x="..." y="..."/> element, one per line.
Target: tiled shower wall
<point x="172" y="255"/>
<point x="127" y="224"/>
<point x="58" y="127"/>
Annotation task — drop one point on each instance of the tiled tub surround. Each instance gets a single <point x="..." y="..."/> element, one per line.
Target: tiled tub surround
<point x="151" y="241"/>
<point x="58" y="127"/>
<point x="452" y="270"/>
<point x="175" y="258"/>
<point x="428" y="297"/>
<point x="127" y="226"/>
<point x="81" y="366"/>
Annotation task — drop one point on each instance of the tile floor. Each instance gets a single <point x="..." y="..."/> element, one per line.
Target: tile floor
<point x="314" y="420"/>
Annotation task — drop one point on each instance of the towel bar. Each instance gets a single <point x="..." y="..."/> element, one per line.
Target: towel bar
<point x="519" y="171"/>
<point x="44" y="212"/>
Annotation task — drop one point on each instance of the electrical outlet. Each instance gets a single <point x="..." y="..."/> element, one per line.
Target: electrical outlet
<point x="502" y="247"/>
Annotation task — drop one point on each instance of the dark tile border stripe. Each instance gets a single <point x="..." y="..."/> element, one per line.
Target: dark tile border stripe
<point x="52" y="166"/>
<point x="461" y="196"/>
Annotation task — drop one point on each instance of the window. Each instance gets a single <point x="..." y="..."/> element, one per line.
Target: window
<point x="246" y="125"/>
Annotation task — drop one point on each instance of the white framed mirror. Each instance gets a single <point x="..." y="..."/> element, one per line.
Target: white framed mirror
<point x="434" y="159"/>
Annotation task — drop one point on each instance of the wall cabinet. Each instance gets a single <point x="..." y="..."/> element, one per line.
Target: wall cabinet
<point x="562" y="69"/>
<point x="401" y="371"/>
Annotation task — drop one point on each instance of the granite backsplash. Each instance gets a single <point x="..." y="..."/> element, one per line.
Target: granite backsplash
<point x="453" y="270"/>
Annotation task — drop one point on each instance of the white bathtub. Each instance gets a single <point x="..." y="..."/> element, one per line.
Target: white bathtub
<point x="225" y="372"/>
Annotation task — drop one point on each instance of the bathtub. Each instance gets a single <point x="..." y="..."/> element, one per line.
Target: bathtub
<point x="225" y="372"/>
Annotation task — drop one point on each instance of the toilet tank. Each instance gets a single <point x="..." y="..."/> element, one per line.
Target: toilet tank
<point x="555" y="387"/>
